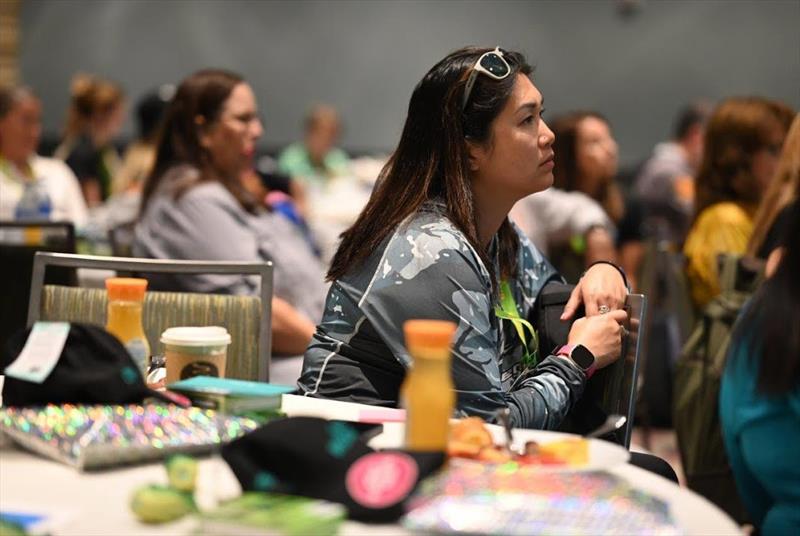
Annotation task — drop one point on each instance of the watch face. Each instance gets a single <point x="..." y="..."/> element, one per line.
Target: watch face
<point x="582" y="357"/>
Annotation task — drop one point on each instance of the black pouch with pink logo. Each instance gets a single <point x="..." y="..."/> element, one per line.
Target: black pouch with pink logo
<point x="329" y="460"/>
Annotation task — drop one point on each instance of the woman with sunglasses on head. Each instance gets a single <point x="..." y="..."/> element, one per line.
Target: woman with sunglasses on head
<point x="195" y="206"/>
<point x="435" y="242"/>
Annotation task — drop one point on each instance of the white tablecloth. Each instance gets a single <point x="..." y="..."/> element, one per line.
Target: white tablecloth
<point x="98" y="503"/>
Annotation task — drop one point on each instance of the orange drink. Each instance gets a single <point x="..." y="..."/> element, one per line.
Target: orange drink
<point x="125" y="301"/>
<point x="427" y="391"/>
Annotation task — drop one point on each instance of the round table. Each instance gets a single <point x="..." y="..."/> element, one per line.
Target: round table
<point x="97" y="503"/>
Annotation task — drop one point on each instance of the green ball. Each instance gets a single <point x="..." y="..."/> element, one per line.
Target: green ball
<point x="182" y="472"/>
<point x="161" y="504"/>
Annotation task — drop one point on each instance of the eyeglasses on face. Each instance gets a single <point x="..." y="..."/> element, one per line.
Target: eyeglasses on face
<point x="492" y="64"/>
<point x="246" y="118"/>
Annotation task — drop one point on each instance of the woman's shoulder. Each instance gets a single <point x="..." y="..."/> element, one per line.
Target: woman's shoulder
<point x="180" y="192"/>
<point x="431" y="222"/>
<point x="209" y="190"/>
<point x="52" y="168"/>
<point x="185" y="180"/>
<point x="725" y="213"/>
<point x="726" y="225"/>
<point x="426" y="239"/>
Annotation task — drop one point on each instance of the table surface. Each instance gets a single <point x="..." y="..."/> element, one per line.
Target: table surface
<point x="97" y="502"/>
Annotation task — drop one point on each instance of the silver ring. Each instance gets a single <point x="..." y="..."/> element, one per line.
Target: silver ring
<point x="604" y="309"/>
<point x="623" y="332"/>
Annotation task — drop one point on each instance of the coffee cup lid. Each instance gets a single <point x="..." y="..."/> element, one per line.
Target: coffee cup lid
<point x="196" y="336"/>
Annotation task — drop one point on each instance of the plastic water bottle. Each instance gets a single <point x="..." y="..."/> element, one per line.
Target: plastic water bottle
<point x="34" y="204"/>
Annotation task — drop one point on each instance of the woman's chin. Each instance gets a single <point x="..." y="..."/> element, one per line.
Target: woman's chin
<point x="543" y="182"/>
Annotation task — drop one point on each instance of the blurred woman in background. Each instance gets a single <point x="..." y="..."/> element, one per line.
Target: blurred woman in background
<point x="95" y="117"/>
<point x="21" y="168"/>
<point x="743" y="142"/>
<point x="770" y="220"/>
<point x="586" y="161"/>
<point x="317" y="157"/>
<point x="137" y="162"/>
<point x="194" y="206"/>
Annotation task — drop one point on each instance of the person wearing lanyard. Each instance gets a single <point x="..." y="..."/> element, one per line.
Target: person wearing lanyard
<point x="435" y="242"/>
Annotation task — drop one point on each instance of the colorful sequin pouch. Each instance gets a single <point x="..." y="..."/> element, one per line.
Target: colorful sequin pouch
<point x="90" y="436"/>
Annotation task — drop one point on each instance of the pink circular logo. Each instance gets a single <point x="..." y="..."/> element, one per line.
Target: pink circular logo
<point x="381" y="479"/>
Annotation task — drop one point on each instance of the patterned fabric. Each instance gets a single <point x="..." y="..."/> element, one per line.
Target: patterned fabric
<point x="428" y="269"/>
<point x="240" y="315"/>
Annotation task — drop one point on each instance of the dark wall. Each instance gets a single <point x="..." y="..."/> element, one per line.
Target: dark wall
<point x="366" y="57"/>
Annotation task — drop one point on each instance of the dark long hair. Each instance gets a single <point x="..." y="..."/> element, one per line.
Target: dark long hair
<point x="784" y="188"/>
<point x="739" y="127"/>
<point x="769" y="325"/>
<point x="566" y="175"/>
<point x="432" y="161"/>
<point x="197" y="103"/>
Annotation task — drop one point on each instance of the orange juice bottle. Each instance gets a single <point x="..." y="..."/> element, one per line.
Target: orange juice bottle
<point x="125" y="300"/>
<point x="427" y="391"/>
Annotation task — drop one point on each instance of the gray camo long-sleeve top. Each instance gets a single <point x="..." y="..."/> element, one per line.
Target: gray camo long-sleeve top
<point x="428" y="269"/>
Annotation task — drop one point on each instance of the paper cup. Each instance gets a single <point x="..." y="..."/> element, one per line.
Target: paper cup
<point x="195" y="351"/>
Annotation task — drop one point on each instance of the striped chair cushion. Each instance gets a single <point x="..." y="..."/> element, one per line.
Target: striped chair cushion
<point x="240" y="315"/>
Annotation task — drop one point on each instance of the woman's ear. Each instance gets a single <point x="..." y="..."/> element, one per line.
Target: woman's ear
<point x="477" y="155"/>
<point x="201" y="125"/>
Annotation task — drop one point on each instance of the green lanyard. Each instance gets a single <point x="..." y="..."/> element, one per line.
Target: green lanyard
<point x="507" y="310"/>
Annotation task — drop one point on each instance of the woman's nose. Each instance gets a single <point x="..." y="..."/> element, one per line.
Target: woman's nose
<point x="546" y="136"/>
<point x="257" y="128"/>
<point x="612" y="148"/>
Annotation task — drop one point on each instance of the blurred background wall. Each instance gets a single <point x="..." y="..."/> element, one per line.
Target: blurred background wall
<point x="636" y="62"/>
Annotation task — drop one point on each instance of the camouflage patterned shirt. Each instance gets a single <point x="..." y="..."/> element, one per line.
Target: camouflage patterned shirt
<point x="428" y="269"/>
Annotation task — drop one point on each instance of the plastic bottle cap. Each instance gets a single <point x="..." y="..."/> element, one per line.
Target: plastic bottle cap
<point x="196" y="336"/>
<point x="126" y="288"/>
<point x="429" y="332"/>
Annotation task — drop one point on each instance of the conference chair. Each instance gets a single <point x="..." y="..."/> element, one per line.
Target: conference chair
<point x="247" y="318"/>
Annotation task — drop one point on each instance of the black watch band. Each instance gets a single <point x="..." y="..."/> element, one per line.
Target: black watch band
<point x="618" y="267"/>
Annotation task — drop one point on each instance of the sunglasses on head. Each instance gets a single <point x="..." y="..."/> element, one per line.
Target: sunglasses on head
<point x="492" y="64"/>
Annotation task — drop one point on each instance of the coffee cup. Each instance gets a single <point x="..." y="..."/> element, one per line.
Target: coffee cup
<point x="195" y="351"/>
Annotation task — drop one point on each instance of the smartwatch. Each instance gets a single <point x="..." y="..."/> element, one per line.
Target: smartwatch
<point x="581" y="356"/>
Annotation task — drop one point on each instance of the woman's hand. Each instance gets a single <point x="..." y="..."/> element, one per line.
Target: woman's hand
<point x="601" y="285"/>
<point x="601" y="334"/>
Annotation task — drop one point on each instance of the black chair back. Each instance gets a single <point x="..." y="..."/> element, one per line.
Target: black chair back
<point x="19" y="242"/>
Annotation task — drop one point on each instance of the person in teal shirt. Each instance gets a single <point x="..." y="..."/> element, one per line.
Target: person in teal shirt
<point x="760" y="395"/>
<point x="316" y="158"/>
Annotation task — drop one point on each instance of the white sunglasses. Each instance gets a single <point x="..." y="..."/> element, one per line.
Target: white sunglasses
<point x="492" y="64"/>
